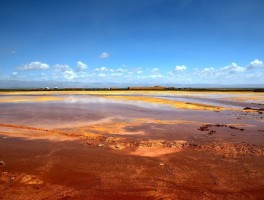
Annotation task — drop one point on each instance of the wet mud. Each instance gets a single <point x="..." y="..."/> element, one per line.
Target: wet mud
<point x="100" y="147"/>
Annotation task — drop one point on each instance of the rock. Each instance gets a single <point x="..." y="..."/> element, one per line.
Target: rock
<point x="2" y="163"/>
<point x="203" y="128"/>
<point x="247" y="108"/>
<point x="255" y="109"/>
<point x="100" y="145"/>
<point x="161" y="164"/>
<point x="220" y="125"/>
<point x="211" y="132"/>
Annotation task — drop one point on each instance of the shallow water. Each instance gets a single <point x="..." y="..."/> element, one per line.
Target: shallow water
<point x="83" y="110"/>
<point x="207" y="101"/>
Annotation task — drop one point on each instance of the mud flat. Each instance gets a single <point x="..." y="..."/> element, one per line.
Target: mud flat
<point x="131" y="145"/>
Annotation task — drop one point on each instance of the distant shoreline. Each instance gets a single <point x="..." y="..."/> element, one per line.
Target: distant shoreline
<point x="141" y="89"/>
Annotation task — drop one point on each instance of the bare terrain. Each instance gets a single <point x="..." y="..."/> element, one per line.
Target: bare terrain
<point x="131" y="145"/>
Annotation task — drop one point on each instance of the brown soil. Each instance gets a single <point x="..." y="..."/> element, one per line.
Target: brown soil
<point x="127" y="152"/>
<point x="41" y="169"/>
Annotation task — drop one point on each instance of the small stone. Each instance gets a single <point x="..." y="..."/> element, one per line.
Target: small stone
<point x="117" y="147"/>
<point x="2" y="163"/>
<point x="161" y="164"/>
<point x="100" y="145"/>
<point x="12" y="178"/>
<point x="211" y="132"/>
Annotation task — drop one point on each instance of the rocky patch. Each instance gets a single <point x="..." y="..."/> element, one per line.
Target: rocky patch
<point x="207" y="127"/>
<point x="259" y="110"/>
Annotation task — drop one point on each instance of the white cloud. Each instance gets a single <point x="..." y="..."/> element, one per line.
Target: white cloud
<point x="34" y="66"/>
<point x="233" y="68"/>
<point x="121" y="70"/>
<point x="116" y="74"/>
<point x="207" y="71"/>
<point x="69" y="75"/>
<point x="255" y="64"/>
<point x="154" y="70"/>
<point x="61" y="68"/>
<point x="180" y="68"/>
<point x="102" y="75"/>
<point x="232" y="73"/>
<point x="104" y="69"/>
<point x="63" y="71"/>
<point x="81" y="66"/>
<point x="43" y="76"/>
<point x="156" y="76"/>
<point x="104" y="55"/>
<point x="229" y="71"/>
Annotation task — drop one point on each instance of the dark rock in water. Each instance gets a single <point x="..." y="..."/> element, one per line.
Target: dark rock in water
<point x="205" y="127"/>
<point x="220" y="125"/>
<point x="211" y="132"/>
<point x="259" y="110"/>
<point x="236" y="128"/>
<point x="247" y="108"/>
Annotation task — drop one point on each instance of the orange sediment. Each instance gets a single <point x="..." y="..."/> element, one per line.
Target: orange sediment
<point x="15" y="99"/>
<point x="175" y="104"/>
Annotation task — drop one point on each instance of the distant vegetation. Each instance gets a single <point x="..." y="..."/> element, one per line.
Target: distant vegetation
<point x="154" y="88"/>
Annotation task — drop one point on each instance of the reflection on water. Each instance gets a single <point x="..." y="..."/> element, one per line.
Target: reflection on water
<point x="73" y="109"/>
<point x="213" y="102"/>
<point x="229" y="100"/>
<point x="101" y="101"/>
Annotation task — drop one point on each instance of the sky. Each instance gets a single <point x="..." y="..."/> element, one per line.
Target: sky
<point x="128" y="42"/>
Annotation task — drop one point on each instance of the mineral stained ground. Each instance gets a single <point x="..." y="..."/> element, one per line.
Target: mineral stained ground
<point x="131" y="145"/>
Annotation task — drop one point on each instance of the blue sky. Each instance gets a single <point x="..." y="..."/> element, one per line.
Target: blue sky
<point x="133" y="41"/>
